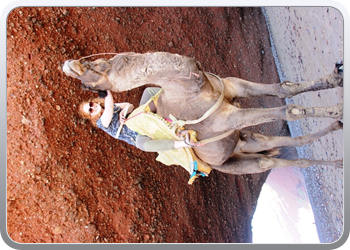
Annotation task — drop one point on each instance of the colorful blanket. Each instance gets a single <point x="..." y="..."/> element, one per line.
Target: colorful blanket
<point x="145" y="122"/>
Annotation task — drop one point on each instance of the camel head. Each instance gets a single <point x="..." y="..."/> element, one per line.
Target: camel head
<point x="93" y="75"/>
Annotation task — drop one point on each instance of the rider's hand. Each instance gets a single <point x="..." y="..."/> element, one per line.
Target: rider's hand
<point x="188" y="140"/>
<point x="122" y="117"/>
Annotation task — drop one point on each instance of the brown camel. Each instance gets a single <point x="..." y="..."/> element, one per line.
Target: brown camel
<point x="190" y="92"/>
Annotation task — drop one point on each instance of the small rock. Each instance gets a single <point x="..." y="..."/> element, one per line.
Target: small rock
<point x="91" y="228"/>
<point x="58" y="107"/>
<point x="57" y="230"/>
<point x="138" y="180"/>
<point x="170" y="44"/>
<point x="65" y="12"/>
<point x="146" y="237"/>
<point x="26" y="121"/>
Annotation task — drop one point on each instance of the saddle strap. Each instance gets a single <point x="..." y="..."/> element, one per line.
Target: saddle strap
<point x="209" y="112"/>
<point x="216" y="138"/>
<point x="181" y="123"/>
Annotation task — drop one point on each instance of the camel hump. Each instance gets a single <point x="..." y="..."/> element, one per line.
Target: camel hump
<point x="157" y="68"/>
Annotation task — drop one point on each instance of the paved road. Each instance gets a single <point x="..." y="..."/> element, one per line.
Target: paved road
<point x="308" y="41"/>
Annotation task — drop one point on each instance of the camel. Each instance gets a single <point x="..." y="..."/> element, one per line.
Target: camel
<point x="189" y="93"/>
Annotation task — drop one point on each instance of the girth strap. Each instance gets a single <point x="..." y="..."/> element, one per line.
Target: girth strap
<point x="209" y="112"/>
<point x="216" y="138"/>
<point x="181" y="123"/>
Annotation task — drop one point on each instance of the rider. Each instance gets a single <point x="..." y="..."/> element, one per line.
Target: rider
<point x="109" y="116"/>
<point x="113" y="118"/>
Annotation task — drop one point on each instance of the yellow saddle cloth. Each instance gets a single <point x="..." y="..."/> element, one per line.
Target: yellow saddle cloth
<point x="145" y="122"/>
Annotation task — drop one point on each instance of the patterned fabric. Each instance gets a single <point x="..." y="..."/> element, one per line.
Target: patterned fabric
<point x="157" y="128"/>
<point x="126" y="134"/>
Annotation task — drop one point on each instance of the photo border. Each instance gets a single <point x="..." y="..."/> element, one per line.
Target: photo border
<point x="8" y="242"/>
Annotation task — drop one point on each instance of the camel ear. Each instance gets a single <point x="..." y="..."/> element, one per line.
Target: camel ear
<point x="102" y="93"/>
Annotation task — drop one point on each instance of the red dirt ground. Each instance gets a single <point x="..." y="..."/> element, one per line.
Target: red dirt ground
<point x="69" y="182"/>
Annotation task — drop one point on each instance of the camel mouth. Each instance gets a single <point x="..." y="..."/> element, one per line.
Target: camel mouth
<point x="71" y="68"/>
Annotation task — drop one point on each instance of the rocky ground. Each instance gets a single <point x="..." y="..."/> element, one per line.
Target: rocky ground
<point x="68" y="182"/>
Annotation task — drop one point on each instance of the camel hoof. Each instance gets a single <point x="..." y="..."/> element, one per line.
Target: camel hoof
<point x="339" y="164"/>
<point x="337" y="75"/>
<point x="338" y="112"/>
<point x="339" y="66"/>
<point x="340" y="124"/>
<point x="336" y="126"/>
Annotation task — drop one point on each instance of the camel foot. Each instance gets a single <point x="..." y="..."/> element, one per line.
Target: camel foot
<point x="338" y="164"/>
<point x="336" y="78"/>
<point x="339" y="66"/>
<point x="337" y="125"/>
<point x="336" y="112"/>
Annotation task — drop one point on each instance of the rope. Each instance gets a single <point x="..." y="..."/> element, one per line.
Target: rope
<point x="209" y="112"/>
<point x="216" y="138"/>
<point x="97" y="55"/>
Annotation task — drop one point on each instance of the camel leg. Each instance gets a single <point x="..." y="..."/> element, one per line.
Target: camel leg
<point x="235" y="87"/>
<point x="258" y="163"/>
<point x="254" y="142"/>
<point x="236" y="118"/>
